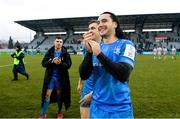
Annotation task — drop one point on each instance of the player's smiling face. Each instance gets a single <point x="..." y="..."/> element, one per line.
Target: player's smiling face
<point x="106" y="25"/>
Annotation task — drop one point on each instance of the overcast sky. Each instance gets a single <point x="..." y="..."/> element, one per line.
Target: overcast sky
<point x="14" y="10"/>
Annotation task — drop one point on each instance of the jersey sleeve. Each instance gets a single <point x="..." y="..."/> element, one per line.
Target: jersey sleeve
<point x="127" y="53"/>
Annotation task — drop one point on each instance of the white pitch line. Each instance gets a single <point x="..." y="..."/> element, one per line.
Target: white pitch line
<point x="6" y="65"/>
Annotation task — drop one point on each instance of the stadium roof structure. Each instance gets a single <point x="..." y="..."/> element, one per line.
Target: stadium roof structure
<point x="127" y="22"/>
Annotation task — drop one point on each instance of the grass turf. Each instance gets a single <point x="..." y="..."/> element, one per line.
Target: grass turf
<point x="155" y="88"/>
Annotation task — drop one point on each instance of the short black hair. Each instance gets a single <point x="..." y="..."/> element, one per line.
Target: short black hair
<point x="58" y="37"/>
<point x="18" y="46"/>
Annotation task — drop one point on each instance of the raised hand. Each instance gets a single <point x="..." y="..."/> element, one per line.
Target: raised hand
<point x="86" y="38"/>
<point x="95" y="47"/>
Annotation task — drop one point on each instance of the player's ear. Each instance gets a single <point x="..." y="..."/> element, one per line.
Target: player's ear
<point x="114" y="25"/>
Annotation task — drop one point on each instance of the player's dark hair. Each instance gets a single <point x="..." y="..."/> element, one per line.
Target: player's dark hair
<point x="119" y="33"/>
<point x="58" y="37"/>
<point x="93" y="21"/>
<point x="19" y="47"/>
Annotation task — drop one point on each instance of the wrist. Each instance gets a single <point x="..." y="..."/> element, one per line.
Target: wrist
<point x="97" y="53"/>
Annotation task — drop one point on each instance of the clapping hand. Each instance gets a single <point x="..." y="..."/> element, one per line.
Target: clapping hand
<point x="56" y="60"/>
<point x="86" y="38"/>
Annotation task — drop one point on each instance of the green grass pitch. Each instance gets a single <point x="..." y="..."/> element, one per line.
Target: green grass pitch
<point x="155" y="88"/>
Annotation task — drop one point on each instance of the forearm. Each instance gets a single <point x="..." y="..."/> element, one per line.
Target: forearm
<point x="47" y="61"/>
<point x="67" y="63"/>
<point x="120" y="71"/>
<point x="85" y="68"/>
<point x="80" y="81"/>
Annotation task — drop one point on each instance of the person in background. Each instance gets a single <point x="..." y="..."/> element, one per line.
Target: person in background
<point x="155" y="53"/>
<point x="173" y="52"/>
<point x="56" y="86"/>
<point x="159" y="53"/>
<point x="86" y="93"/>
<point x="165" y="53"/>
<point x="19" y="66"/>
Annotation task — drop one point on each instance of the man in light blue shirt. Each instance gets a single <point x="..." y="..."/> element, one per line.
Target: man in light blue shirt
<point x="111" y="93"/>
<point x="86" y="93"/>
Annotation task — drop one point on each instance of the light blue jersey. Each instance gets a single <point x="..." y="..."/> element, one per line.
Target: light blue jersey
<point x="109" y="94"/>
<point x="89" y="83"/>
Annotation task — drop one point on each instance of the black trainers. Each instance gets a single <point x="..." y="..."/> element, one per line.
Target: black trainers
<point x="27" y="76"/>
<point x="14" y="79"/>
